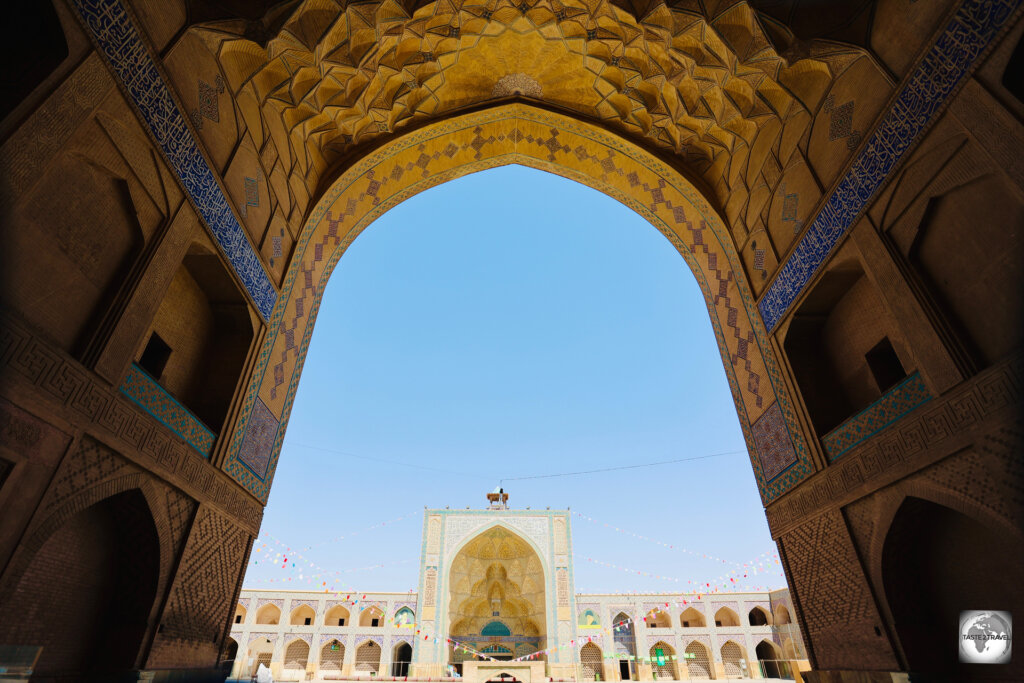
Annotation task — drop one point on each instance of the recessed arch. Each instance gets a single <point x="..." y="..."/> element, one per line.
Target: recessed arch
<point x="726" y="616"/>
<point x="401" y="657"/>
<point x="768" y="654"/>
<point x="782" y="616"/>
<point x="268" y="614"/>
<point x="405" y="616"/>
<point x="372" y="616"/>
<point x="332" y="657"/>
<point x="758" y="616"/>
<point x="296" y="656"/>
<point x="657" y="618"/>
<point x="698" y="665"/>
<point x="734" y="659"/>
<point x="337" y="616"/>
<point x="591" y="660"/>
<point x="692" y="618"/>
<point x="663" y="660"/>
<point x="303" y="615"/>
<point x="496" y="594"/>
<point x="368" y="658"/>
<point x="240" y="614"/>
<point x="521" y="134"/>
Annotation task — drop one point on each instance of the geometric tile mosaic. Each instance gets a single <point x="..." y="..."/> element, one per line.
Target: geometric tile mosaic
<point x="951" y="56"/>
<point x="119" y="41"/>
<point x="154" y="399"/>
<point x="894" y="404"/>
<point x="774" y="446"/>
<point x="258" y="443"/>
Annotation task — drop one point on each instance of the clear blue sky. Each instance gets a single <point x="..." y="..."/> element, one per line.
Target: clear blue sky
<point x="509" y="324"/>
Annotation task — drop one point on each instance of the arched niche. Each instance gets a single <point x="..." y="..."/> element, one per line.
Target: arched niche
<point x="372" y="617"/>
<point x="268" y="614"/>
<point x="303" y="615"/>
<point x="337" y="616"/>
<point x="496" y="592"/>
<point x="521" y="134"/>
<point x="758" y="616"/>
<point x="726" y="617"/>
<point x="692" y="618"/>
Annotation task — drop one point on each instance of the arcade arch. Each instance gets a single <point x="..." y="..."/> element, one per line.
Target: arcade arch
<point x="336" y="616"/>
<point x="663" y="660"/>
<point x="768" y="654"/>
<point x="295" y="658"/>
<point x="658" y="619"/>
<point x="591" y="661"/>
<point x="332" y="657"/>
<point x="782" y="615"/>
<point x="692" y="618"/>
<point x="698" y="665"/>
<point x="268" y="614"/>
<point x="303" y="615"/>
<point x="726" y="617"/>
<point x="372" y="616"/>
<point x="368" y="658"/>
<point x="734" y="659"/>
<point x="758" y="616"/>
<point x="240" y="614"/>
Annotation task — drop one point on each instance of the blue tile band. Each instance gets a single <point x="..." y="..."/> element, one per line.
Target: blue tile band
<point x="155" y="400"/>
<point x="945" y="64"/>
<point x="120" y="43"/>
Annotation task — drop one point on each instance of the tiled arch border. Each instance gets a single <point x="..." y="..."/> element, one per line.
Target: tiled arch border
<point x="518" y="133"/>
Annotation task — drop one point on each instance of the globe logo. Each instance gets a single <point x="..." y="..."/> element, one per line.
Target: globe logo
<point x="985" y="637"/>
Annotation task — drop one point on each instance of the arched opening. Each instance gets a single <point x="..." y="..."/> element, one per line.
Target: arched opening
<point x="926" y="606"/>
<point x="230" y="653"/>
<point x="240" y="614"/>
<point x="588" y="619"/>
<point x="296" y="657"/>
<point x="767" y="658"/>
<point x="99" y="570"/>
<point x="332" y="659"/>
<point x="590" y="662"/>
<point x="658" y="619"/>
<point x="698" y="660"/>
<point x="726" y="617"/>
<point x="758" y="616"/>
<point x="691" y="618"/>
<point x="303" y="615"/>
<point x="372" y="617"/>
<point x="368" y="658"/>
<point x="401" y="656"/>
<point x="405" y="617"/>
<point x="677" y="210"/>
<point x="268" y="614"/>
<point x="782" y="615"/>
<point x="336" y="616"/>
<point x="261" y="651"/>
<point x="624" y="639"/>
<point x="663" y="661"/>
<point x="734" y="661"/>
<point x="789" y="649"/>
<point x="496" y="596"/>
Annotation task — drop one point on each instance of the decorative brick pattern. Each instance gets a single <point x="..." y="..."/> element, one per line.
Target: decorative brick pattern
<point x="155" y="400"/>
<point x="204" y="590"/>
<point x="838" y="614"/>
<point x="951" y="57"/>
<point x="86" y="401"/>
<point x="897" y="402"/>
<point x="119" y="41"/>
<point x="938" y="426"/>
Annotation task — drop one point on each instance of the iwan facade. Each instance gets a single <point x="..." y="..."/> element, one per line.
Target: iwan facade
<point x="496" y="596"/>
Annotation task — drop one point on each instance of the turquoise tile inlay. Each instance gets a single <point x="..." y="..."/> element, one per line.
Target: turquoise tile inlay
<point x="154" y="399"/>
<point x="894" y="404"/>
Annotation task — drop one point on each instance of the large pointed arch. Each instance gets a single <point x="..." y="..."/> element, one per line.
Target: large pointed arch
<point x="521" y="134"/>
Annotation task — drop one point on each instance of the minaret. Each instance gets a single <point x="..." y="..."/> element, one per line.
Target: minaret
<point x="498" y="499"/>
